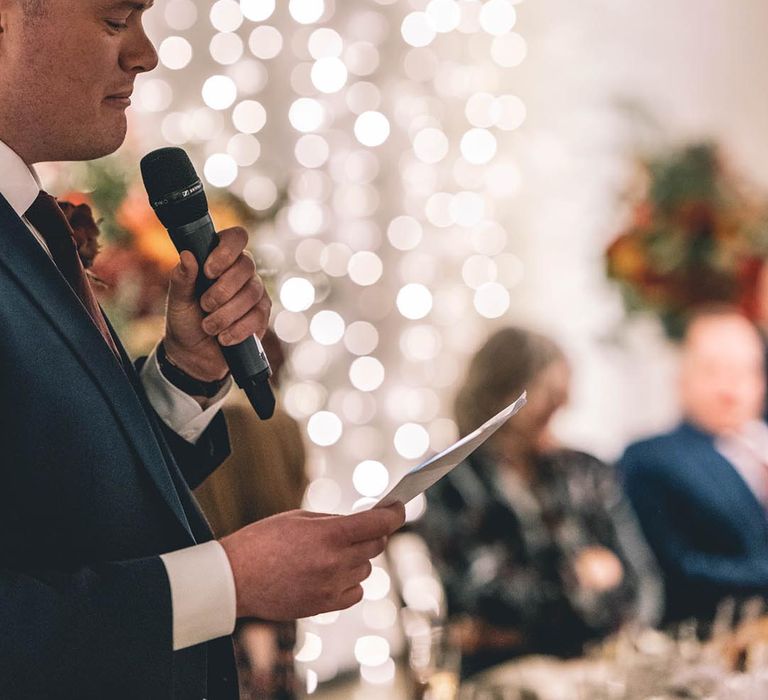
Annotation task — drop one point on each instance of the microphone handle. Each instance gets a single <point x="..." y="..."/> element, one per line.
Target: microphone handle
<point x="247" y="360"/>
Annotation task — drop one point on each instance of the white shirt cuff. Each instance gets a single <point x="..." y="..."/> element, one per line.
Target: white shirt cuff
<point x="202" y="594"/>
<point x="178" y="410"/>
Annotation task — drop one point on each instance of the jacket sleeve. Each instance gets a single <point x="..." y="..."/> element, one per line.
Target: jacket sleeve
<point x="199" y="460"/>
<point x="195" y="460"/>
<point x="97" y="632"/>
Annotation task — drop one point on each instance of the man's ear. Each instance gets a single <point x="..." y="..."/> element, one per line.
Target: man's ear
<point x="4" y="7"/>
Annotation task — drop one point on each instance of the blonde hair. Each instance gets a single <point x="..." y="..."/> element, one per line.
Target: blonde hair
<point x="502" y="368"/>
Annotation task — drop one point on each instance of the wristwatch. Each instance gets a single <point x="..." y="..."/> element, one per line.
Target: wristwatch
<point x="181" y="380"/>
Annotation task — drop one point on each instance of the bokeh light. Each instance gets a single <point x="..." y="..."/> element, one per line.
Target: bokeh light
<point x="249" y="117"/>
<point x="297" y="294"/>
<point x="417" y="29"/>
<point x="175" y="52"/>
<point x="265" y="42"/>
<point x="226" y="15"/>
<point x="509" y="50"/>
<point x="306" y="114"/>
<point x="491" y="300"/>
<point x="219" y="92"/>
<point x="366" y="373"/>
<point x="327" y="327"/>
<point x="226" y="48"/>
<point x="411" y="440"/>
<point x="371" y="478"/>
<point x="361" y="338"/>
<point x="365" y="268"/>
<point x="478" y="146"/>
<point x="414" y="301"/>
<point x="431" y="145"/>
<point x="404" y="232"/>
<point x="497" y="17"/>
<point x="324" y="428"/>
<point x="372" y="650"/>
<point x="257" y="10"/>
<point x="220" y="169"/>
<point x="180" y="14"/>
<point x="372" y="128"/>
<point x="306" y="11"/>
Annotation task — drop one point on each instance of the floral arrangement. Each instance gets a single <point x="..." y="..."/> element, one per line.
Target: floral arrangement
<point x="127" y="251"/>
<point x="697" y="236"/>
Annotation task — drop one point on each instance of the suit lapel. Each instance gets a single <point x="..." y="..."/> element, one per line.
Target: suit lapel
<point x="724" y="478"/>
<point x="27" y="262"/>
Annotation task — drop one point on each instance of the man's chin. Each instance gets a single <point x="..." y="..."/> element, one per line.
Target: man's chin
<point x="97" y="144"/>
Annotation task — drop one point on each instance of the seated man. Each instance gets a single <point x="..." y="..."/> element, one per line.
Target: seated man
<point x="701" y="491"/>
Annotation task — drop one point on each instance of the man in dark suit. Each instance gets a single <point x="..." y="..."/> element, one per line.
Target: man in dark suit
<point x="111" y="585"/>
<point x="701" y="491"/>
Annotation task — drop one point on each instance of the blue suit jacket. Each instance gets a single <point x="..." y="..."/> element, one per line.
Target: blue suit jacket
<point x="93" y="487"/>
<point x="709" y="532"/>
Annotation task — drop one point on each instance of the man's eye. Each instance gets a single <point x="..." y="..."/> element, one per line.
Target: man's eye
<point x="117" y="26"/>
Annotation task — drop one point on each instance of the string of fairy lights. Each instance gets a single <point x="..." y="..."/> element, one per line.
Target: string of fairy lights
<point x="390" y="124"/>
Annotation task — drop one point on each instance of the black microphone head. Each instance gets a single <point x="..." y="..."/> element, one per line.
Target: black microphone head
<point x="175" y="191"/>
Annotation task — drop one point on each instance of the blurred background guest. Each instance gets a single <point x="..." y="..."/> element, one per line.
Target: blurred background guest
<point x="535" y="546"/>
<point x="264" y="475"/>
<point x="701" y="491"/>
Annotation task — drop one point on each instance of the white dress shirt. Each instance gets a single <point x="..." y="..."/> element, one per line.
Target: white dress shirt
<point x="200" y="577"/>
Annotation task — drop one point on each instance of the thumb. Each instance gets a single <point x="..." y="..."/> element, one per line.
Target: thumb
<point x="183" y="276"/>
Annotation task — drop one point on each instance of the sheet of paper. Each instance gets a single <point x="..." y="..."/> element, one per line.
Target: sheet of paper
<point x="420" y="478"/>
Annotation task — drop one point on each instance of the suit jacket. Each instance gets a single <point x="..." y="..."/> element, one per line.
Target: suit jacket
<point x="705" y="525"/>
<point x="93" y="488"/>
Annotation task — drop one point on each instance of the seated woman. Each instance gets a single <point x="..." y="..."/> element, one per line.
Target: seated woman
<point x="537" y="550"/>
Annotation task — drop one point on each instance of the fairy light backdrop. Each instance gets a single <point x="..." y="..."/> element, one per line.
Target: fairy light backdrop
<point x="450" y="165"/>
<point x="392" y="126"/>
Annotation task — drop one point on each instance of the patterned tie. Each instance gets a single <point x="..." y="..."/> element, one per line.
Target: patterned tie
<point x="49" y="220"/>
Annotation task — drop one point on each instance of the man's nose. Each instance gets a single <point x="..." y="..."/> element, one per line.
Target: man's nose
<point x="139" y="55"/>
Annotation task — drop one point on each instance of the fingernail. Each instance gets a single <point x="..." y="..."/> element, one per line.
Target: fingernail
<point x="210" y="327"/>
<point x="225" y="338"/>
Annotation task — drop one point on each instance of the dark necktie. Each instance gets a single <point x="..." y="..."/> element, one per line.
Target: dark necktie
<point x="49" y="220"/>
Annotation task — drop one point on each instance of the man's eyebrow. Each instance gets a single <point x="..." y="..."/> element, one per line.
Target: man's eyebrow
<point x="131" y="5"/>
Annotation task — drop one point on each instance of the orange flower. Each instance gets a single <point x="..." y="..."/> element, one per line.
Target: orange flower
<point x="626" y="258"/>
<point x="150" y="237"/>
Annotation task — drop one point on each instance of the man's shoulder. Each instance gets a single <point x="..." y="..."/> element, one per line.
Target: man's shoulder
<point x="670" y="450"/>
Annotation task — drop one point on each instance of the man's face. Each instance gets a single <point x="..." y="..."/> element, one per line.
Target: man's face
<point x="65" y="74"/>
<point x="723" y="374"/>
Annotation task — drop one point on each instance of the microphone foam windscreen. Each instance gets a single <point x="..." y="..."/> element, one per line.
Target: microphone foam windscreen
<point x="166" y="171"/>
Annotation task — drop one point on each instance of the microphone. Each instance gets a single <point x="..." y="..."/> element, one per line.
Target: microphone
<point x="177" y="196"/>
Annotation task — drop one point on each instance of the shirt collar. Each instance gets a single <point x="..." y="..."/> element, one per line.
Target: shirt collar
<point x="19" y="182"/>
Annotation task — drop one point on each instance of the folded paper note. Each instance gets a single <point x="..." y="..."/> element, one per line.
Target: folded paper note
<point x="420" y="478"/>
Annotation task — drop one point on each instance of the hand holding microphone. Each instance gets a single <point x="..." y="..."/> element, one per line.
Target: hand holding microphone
<point x="216" y="304"/>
